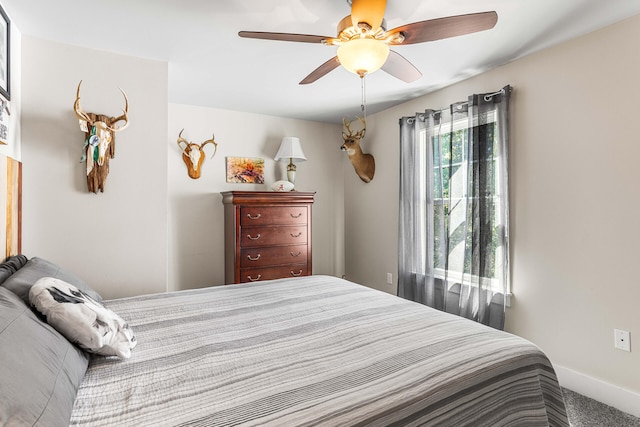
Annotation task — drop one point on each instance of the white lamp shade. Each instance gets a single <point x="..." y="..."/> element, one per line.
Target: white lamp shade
<point x="290" y="150"/>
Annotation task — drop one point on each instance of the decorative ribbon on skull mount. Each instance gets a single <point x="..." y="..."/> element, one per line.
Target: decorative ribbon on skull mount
<point x="193" y="154"/>
<point x="99" y="145"/>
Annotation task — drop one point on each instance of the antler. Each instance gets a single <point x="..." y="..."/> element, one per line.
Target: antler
<point x="360" y="133"/>
<point x="363" y="121"/>
<point x="344" y="122"/>
<point x="84" y="116"/>
<point x="78" y="109"/>
<point x="182" y="140"/>
<point x="210" y="141"/>
<point x="123" y="116"/>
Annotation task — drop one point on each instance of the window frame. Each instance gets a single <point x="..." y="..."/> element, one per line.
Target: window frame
<point x="455" y="276"/>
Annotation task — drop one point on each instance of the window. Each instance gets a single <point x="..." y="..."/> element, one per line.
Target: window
<point x="452" y="201"/>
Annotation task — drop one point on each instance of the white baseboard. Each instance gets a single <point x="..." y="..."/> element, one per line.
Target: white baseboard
<point x="618" y="397"/>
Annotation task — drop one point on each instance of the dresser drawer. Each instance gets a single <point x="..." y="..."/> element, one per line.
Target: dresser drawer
<point x="271" y="215"/>
<point x="273" y="255"/>
<point x="263" y="236"/>
<point x="268" y="273"/>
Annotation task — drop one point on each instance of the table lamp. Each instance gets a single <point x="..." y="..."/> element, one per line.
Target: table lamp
<point x="291" y="151"/>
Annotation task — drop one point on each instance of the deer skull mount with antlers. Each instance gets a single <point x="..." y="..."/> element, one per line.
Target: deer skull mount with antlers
<point x="363" y="163"/>
<point x="99" y="145"/>
<point x="193" y="154"/>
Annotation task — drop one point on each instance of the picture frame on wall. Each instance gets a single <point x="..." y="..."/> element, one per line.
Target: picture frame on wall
<point x="245" y="170"/>
<point x="5" y="34"/>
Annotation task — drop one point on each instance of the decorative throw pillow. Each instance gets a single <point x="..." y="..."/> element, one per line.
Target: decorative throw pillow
<point x="81" y="319"/>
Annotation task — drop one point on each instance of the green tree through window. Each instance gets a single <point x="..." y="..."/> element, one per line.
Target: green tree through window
<point x="454" y="241"/>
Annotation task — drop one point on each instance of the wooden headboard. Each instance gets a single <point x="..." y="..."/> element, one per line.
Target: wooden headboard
<point x="11" y="205"/>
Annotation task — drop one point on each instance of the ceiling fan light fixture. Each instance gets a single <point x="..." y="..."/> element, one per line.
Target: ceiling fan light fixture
<point x="363" y="40"/>
<point x="363" y="56"/>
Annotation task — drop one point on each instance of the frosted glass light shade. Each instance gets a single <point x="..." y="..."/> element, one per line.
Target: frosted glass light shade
<point x="363" y="56"/>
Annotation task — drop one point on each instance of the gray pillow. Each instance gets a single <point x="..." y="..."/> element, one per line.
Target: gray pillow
<point x="36" y="268"/>
<point x="11" y="265"/>
<point x="40" y="370"/>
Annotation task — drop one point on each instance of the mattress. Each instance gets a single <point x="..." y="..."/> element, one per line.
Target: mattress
<point x="313" y="350"/>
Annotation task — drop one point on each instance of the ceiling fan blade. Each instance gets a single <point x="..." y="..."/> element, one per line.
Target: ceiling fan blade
<point x="369" y="11"/>
<point x="287" y="37"/>
<point x="399" y="67"/>
<point x="442" y="28"/>
<point x="321" y="71"/>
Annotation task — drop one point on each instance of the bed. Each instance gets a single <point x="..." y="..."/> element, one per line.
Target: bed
<point x="313" y="350"/>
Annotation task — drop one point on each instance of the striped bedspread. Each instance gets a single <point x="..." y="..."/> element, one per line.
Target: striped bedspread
<point x="313" y="351"/>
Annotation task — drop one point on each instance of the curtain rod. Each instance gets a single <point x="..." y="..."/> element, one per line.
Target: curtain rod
<point x="488" y="96"/>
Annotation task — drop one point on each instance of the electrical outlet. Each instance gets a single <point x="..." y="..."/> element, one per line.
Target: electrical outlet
<point x="389" y="279"/>
<point x="622" y="339"/>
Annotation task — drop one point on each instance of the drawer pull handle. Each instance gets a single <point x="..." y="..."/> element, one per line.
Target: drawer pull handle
<point x="296" y="216"/>
<point x="253" y="259"/>
<point x="295" y="255"/>
<point x="253" y="217"/>
<point x="253" y="238"/>
<point x="296" y="235"/>
<point x="251" y="279"/>
<point x="297" y="274"/>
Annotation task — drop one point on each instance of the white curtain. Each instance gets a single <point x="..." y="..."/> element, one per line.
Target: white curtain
<point x="454" y="208"/>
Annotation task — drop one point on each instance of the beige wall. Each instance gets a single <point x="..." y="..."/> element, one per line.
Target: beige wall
<point x="575" y="199"/>
<point x="104" y="238"/>
<point x="196" y="222"/>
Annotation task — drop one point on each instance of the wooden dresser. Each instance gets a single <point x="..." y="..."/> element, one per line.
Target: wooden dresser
<point x="267" y="235"/>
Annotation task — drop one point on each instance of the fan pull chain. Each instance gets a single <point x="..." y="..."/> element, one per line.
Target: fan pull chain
<point x="363" y="105"/>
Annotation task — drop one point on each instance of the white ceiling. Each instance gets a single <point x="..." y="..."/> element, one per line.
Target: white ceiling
<point x="209" y="65"/>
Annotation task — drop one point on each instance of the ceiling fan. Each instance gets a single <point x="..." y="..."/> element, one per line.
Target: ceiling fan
<point x="363" y="41"/>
